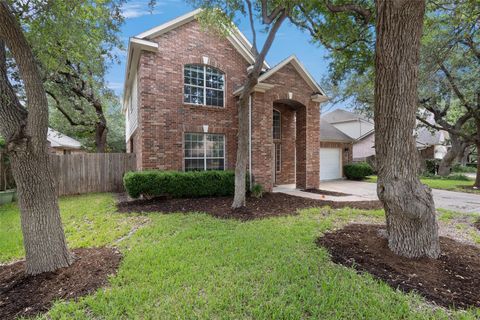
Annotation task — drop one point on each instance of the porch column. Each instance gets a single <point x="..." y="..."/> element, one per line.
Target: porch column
<point x="308" y="146"/>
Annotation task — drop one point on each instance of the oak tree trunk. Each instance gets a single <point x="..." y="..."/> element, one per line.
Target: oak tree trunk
<point x="477" y="178"/>
<point x="43" y="236"/>
<point x="410" y="212"/>
<point x="452" y="156"/>
<point x="101" y="137"/>
<point x="239" y="199"/>
<point x="477" y="144"/>
<point x="25" y="131"/>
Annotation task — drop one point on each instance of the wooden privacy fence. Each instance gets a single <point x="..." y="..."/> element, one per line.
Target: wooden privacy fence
<point x="91" y="172"/>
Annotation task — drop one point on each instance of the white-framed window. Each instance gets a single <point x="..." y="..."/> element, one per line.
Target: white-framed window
<point x="204" y="151"/>
<point x="277" y="125"/>
<point x="203" y="85"/>
<point x="278" y="157"/>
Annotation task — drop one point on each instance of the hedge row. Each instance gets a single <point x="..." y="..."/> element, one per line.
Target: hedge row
<point x="357" y="171"/>
<point x="179" y="184"/>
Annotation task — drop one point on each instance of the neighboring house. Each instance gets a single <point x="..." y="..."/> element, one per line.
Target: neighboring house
<point x="359" y="128"/>
<point x="62" y="144"/>
<point x="431" y="145"/>
<point x="335" y="151"/>
<point x="180" y="99"/>
<point x="352" y="124"/>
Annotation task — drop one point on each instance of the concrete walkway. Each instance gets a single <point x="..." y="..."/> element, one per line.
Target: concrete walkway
<point x="366" y="191"/>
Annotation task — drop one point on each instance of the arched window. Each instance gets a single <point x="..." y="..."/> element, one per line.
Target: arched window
<point x="203" y="85"/>
<point x="277" y="125"/>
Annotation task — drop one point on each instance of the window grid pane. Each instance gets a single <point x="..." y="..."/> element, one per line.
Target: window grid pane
<point x="204" y="151"/>
<point x="203" y="85"/>
<point x="277" y="123"/>
<point x="278" y="157"/>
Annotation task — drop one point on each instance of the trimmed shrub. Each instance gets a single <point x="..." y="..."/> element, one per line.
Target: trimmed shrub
<point x="460" y="177"/>
<point x="357" y="171"/>
<point x="463" y="169"/>
<point x="431" y="166"/>
<point x="178" y="184"/>
<point x="257" y="190"/>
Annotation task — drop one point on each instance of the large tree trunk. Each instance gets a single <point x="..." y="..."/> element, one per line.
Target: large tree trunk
<point x="477" y="144"/>
<point x="409" y="208"/>
<point x="456" y="151"/>
<point x="101" y="131"/>
<point x="43" y="236"/>
<point x="239" y="199"/>
<point x="25" y="131"/>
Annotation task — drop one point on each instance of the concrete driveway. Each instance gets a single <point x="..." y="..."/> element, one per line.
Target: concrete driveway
<point x="364" y="191"/>
<point x="450" y="200"/>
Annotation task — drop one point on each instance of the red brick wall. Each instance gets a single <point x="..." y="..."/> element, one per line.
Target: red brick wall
<point x="164" y="118"/>
<point x="287" y="142"/>
<point x="307" y="130"/>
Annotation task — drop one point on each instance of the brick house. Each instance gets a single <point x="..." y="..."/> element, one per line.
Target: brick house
<point x="181" y="88"/>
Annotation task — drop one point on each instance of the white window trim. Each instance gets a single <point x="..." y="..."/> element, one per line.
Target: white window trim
<point x="275" y="110"/>
<point x="204" y="104"/>
<point x="279" y="146"/>
<point x="205" y="158"/>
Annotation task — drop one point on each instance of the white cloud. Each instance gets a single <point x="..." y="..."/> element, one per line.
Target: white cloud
<point x="138" y="9"/>
<point x="115" y="86"/>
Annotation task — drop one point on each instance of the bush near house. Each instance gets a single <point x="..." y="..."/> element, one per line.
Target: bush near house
<point x="357" y="171"/>
<point x="458" y="168"/>
<point x="179" y="184"/>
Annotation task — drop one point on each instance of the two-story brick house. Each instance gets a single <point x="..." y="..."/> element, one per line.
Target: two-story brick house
<point x="181" y="89"/>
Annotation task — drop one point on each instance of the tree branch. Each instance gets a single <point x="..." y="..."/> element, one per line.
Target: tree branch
<point x="64" y="112"/>
<point x="268" y="18"/>
<point x="269" y="41"/>
<point x="454" y="86"/>
<point x="365" y="13"/>
<point x="37" y="118"/>
<point x="13" y="116"/>
<point x="252" y="26"/>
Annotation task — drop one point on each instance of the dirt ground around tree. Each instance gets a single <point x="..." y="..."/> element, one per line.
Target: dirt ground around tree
<point x="453" y="280"/>
<point x="271" y="204"/>
<point x="22" y="296"/>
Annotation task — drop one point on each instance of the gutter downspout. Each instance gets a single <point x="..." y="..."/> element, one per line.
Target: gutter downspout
<point x="250" y="140"/>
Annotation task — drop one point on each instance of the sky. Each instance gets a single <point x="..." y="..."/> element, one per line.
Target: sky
<point x="289" y="39"/>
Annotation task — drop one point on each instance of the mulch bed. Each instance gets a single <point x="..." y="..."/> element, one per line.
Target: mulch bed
<point x="453" y="280"/>
<point x="271" y="204"/>
<point x="327" y="192"/>
<point x="22" y="296"/>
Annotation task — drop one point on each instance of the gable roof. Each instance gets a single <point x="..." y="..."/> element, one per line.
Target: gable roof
<point x="329" y="133"/>
<point x="299" y="67"/>
<point x="293" y="60"/>
<point x="427" y="138"/>
<point x="341" y="115"/>
<point x="143" y="41"/>
<point x="236" y="37"/>
<point x="365" y="135"/>
<point x="59" y="140"/>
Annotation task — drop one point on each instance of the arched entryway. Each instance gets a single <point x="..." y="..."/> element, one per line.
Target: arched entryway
<point x="289" y="142"/>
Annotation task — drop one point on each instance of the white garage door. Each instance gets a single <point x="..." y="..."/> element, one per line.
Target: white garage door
<point x="330" y="163"/>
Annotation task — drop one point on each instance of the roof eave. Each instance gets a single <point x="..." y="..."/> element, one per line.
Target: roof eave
<point x="135" y="46"/>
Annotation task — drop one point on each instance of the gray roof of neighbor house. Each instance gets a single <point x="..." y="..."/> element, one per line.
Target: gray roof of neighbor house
<point x="341" y="115"/>
<point x="330" y="133"/>
<point x="59" y="140"/>
<point x="428" y="138"/>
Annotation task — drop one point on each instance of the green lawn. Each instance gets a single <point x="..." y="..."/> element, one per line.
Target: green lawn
<point x="88" y="220"/>
<point x="452" y="185"/>
<point x="194" y="266"/>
